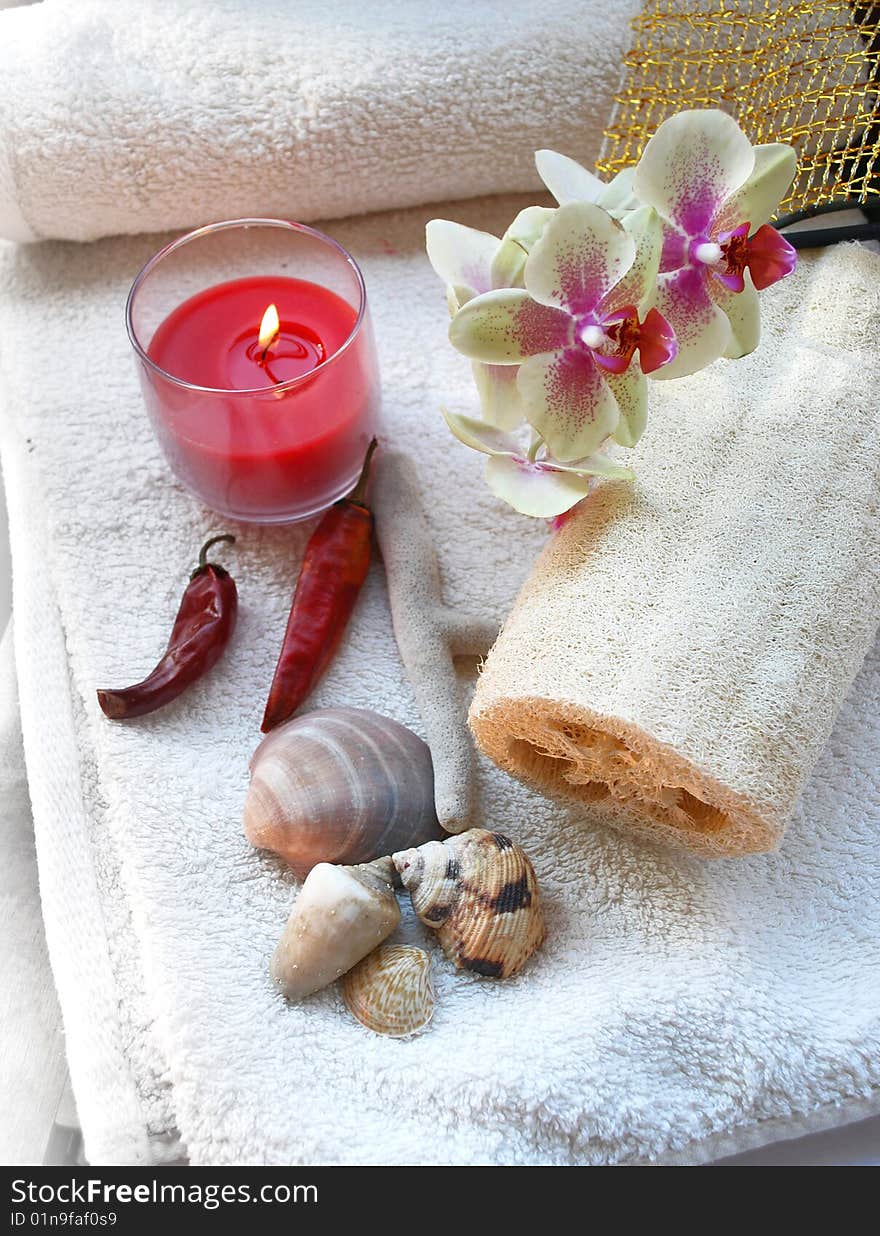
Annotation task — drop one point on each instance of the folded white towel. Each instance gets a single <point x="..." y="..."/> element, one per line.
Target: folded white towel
<point x="679" y="1009"/>
<point x="186" y="111"/>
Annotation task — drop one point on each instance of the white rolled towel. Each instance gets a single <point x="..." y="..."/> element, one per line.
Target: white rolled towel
<point x="121" y="116"/>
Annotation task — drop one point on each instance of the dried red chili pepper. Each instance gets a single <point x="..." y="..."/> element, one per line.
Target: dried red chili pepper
<point x="333" y="570"/>
<point x="204" y="623"/>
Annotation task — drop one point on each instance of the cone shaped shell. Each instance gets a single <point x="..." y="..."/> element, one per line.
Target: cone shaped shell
<point x="340" y="915"/>
<point x="340" y="785"/>
<point x="390" y="990"/>
<point x="479" y="892"/>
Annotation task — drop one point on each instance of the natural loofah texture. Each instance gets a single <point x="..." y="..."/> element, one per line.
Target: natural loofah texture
<point x="678" y="656"/>
<point x="188" y="111"/>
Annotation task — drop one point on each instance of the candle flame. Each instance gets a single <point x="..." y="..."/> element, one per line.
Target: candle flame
<point x="269" y="328"/>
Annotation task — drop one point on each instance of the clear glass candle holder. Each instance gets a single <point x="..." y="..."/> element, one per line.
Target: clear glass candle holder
<point x="262" y="432"/>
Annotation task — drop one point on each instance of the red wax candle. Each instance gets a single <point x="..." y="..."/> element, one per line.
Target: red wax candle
<point x="270" y="433"/>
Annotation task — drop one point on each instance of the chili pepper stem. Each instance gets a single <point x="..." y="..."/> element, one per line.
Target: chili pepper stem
<point x="215" y="540"/>
<point x="359" y="493"/>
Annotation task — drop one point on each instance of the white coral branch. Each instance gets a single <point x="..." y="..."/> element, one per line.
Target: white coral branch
<point x="429" y="634"/>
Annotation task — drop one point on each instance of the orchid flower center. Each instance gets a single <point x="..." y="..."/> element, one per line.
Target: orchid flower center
<point x="623" y="333"/>
<point x="736" y="251"/>
<point x="767" y="255"/>
<point x="612" y="342"/>
<point x="708" y="252"/>
<point x="592" y="335"/>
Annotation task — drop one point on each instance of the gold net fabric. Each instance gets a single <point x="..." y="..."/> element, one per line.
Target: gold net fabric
<point x="804" y="73"/>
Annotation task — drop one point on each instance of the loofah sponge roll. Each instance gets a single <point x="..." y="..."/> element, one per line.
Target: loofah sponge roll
<point x="678" y="655"/>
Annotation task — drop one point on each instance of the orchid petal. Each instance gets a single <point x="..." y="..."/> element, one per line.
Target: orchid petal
<point x="504" y="326"/>
<point x="508" y="266"/>
<point x="568" y="402"/>
<point x="693" y="163"/>
<point x="500" y="400"/>
<point x="528" y="226"/>
<point x="675" y="249"/>
<point x="534" y="490"/>
<point x="630" y="389"/>
<point x="480" y="436"/>
<point x="581" y="255"/>
<point x="461" y="255"/>
<point x="743" y="314"/>
<point x="617" y="196"/>
<point x="566" y="179"/>
<point x="658" y="345"/>
<point x="757" y="200"/>
<point x="456" y="296"/>
<point x="771" y="257"/>
<point x="595" y="465"/>
<point x="637" y="285"/>
<point x="516" y="244"/>
<point x="702" y="330"/>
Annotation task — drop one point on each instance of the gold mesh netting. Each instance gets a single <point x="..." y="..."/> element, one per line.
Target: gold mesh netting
<point x="804" y="73"/>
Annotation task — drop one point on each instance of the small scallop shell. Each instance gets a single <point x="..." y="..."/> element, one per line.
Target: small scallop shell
<point x="340" y="785"/>
<point x="390" y="990"/>
<point x="479" y="892"/>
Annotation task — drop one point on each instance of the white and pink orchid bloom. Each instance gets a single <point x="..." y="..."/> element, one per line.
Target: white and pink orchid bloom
<point x="575" y="329"/>
<point x="531" y="482"/>
<point x="715" y="193"/>
<point x="471" y="262"/>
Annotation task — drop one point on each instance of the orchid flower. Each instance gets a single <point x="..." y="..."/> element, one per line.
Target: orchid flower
<point x="541" y="487"/>
<point x="471" y="262"/>
<point x="715" y="193"/>
<point x="575" y="327"/>
<point x="655" y="272"/>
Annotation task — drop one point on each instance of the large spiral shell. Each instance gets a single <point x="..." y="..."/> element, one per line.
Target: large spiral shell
<point x="390" y="991"/>
<point x="340" y="785"/>
<point x="479" y="892"/>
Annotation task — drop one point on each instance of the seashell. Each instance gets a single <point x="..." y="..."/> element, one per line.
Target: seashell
<point x="390" y="990"/>
<point x="479" y="892"/>
<point x="340" y="915"/>
<point x="340" y="785"/>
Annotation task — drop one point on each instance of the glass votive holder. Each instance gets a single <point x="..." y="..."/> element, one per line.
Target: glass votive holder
<point x="271" y="427"/>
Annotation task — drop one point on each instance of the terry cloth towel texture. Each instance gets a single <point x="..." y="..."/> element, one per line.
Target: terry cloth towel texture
<point x="678" y="655"/>
<point x="263" y="107"/>
<point x="679" y="1009"/>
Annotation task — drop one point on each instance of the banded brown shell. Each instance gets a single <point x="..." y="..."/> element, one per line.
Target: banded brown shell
<point x="390" y="991"/>
<point x="479" y="892"/>
<point x="340" y="785"/>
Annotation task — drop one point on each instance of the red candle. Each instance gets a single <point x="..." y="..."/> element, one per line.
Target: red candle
<point x="269" y="430"/>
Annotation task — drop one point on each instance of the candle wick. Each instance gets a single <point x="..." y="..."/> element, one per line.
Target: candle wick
<point x="265" y="351"/>
<point x="264" y="364"/>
